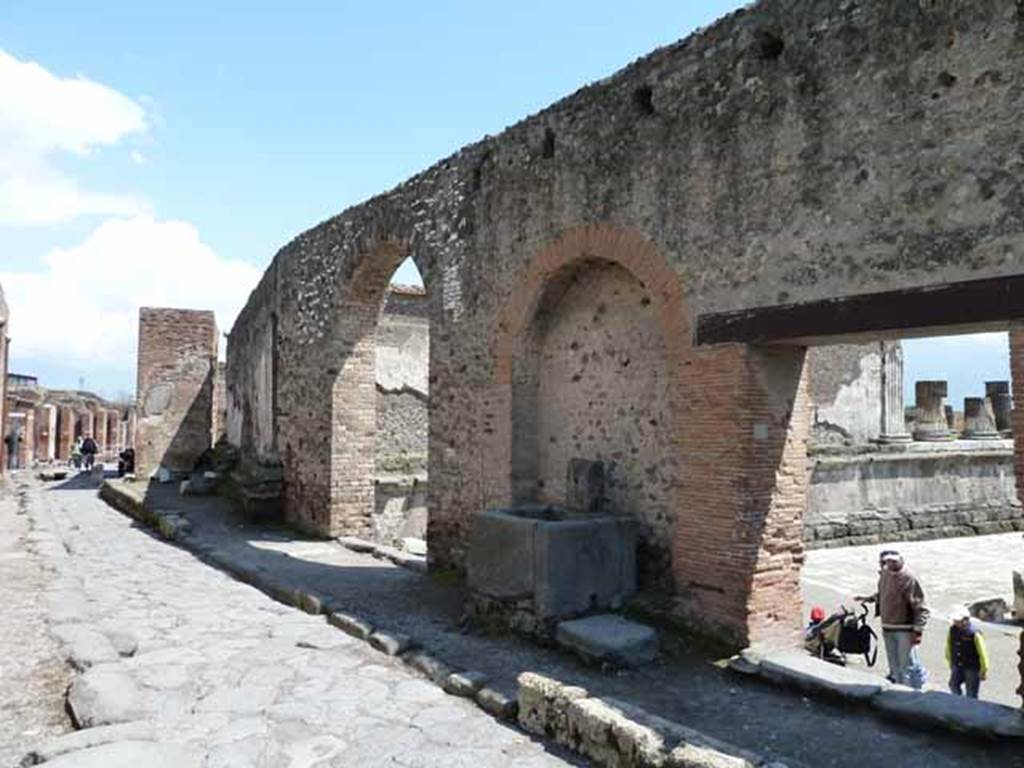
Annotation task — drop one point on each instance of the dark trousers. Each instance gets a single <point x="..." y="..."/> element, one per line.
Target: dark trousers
<point x="960" y="677"/>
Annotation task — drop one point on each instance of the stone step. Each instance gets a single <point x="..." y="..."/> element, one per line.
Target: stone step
<point x="608" y="639"/>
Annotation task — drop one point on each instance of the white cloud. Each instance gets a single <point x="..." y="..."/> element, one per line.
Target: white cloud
<point x="82" y="305"/>
<point x="41" y="116"/>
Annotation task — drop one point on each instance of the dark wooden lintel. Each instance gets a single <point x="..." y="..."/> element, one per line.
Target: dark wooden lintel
<point x="970" y="305"/>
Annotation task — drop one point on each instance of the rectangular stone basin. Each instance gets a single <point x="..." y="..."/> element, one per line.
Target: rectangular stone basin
<point x="565" y="563"/>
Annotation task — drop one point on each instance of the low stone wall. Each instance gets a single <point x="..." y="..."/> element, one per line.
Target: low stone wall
<point x="918" y="491"/>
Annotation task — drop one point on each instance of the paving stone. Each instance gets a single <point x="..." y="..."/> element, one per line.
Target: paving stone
<point x="310" y="603"/>
<point x="350" y="624"/>
<point x="414" y="546"/>
<point x="85" y="646"/>
<point x="124" y="642"/>
<point x="609" y="639"/>
<point x="103" y="696"/>
<point x="89" y="737"/>
<point x="391" y="643"/>
<point x="465" y="683"/>
<point x="130" y="754"/>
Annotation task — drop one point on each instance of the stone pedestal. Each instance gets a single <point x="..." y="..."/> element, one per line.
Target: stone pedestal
<point x="979" y="420"/>
<point x="1002" y="403"/>
<point x="894" y="427"/>
<point x="931" y="424"/>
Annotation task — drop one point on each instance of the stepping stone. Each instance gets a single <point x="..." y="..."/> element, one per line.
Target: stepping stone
<point x="609" y="639"/>
<point x="803" y="671"/>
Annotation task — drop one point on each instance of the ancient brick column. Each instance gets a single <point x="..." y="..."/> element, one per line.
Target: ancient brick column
<point x="88" y="424"/>
<point x="65" y="432"/>
<point x="99" y="417"/>
<point x="979" y="420"/>
<point x="177" y="355"/>
<point x="46" y="425"/>
<point x="930" y="424"/>
<point x="894" y="428"/>
<point x="1002" y="403"/>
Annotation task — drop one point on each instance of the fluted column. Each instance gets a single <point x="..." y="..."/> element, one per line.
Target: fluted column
<point x="894" y="427"/>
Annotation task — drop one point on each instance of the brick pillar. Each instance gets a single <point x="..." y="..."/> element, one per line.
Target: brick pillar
<point x="1017" y="425"/>
<point x="46" y="430"/>
<point x="27" y="449"/>
<point x="1002" y="402"/>
<point x="65" y="432"/>
<point x="177" y="353"/>
<point x="88" y="424"/>
<point x="738" y="543"/>
<point x="99" y="417"/>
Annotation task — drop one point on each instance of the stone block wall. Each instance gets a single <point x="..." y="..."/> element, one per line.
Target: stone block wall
<point x="177" y="357"/>
<point x="918" y="491"/>
<point x="786" y="154"/>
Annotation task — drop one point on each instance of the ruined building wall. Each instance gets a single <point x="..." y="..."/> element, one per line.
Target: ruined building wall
<point x="177" y="355"/>
<point x="797" y="150"/>
<point x="845" y="384"/>
<point x="402" y="363"/>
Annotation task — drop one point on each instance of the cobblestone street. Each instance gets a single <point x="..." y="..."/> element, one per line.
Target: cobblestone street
<point x="222" y="675"/>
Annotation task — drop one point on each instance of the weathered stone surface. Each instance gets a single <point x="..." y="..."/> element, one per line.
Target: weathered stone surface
<point x="544" y="705"/>
<point x="123" y="641"/>
<point x="990" y="609"/>
<point x="465" y="683"/>
<point x="357" y="544"/>
<point x="803" y="671"/>
<point x="497" y="703"/>
<point x="88" y="738"/>
<point x="350" y="624"/>
<point x="959" y="713"/>
<point x="414" y="546"/>
<point x="104" y="695"/>
<point x="609" y="639"/>
<point x="131" y="754"/>
<point x="431" y="666"/>
<point x="310" y="603"/>
<point x="86" y="647"/>
<point x="392" y="644"/>
<point x="1018" y="595"/>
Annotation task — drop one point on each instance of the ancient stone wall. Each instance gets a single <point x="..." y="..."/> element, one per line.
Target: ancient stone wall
<point x="845" y="382"/>
<point x="913" y="492"/>
<point x="177" y="357"/>
<point x="797" y="150"/>
<point x="402" y="363"/>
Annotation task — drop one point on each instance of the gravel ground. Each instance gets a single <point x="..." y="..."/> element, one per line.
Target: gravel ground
<point x="32" y="675"/>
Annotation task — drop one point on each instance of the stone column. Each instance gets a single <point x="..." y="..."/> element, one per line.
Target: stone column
<point x="979" y="420"/>
<point x="950" y="418"/>
<point x="65" y="432"/>
<point x="1002" y="403"/>
<point x="894" y="428"/>
<point x="931" y="424"/>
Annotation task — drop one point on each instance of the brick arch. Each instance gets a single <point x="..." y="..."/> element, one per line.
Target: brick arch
<point x="636" y="256"/>
<point x="351" y="361"/>
<point x="627" y="248"/>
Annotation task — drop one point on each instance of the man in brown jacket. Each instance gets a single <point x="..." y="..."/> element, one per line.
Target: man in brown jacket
<point x="900" y="605"/>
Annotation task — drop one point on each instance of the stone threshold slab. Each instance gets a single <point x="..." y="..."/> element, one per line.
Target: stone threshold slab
<point x="923" y="709"/>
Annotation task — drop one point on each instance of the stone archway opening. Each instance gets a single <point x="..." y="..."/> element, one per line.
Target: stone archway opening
<point x="379" y="424"/>
<point x="591" y="389"/>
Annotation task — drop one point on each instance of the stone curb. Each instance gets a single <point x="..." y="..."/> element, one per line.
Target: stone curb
<point x="416" y="563"/>
<point x="614" y="734"/>
<point x="926" y="710"/>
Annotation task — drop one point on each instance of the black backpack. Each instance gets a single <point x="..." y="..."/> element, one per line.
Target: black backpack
<point x="856" y="636"/>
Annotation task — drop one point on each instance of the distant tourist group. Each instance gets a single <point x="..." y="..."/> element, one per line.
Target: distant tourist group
<point x="900" y="606"/>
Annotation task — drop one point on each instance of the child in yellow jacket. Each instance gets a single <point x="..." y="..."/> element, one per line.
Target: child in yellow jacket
<point x="965" y="654"/>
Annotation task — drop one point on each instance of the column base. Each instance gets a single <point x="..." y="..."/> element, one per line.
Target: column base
<point x="890" y="439"/>
<point x="943" y="436"/>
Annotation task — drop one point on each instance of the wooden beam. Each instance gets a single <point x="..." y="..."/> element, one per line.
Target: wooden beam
<point x="970" y="305"/>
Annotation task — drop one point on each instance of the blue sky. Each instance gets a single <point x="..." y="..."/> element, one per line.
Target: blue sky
<point x="226" y="128"/>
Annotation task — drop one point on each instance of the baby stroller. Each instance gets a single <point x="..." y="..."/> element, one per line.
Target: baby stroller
<point x="843" y="633"/>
